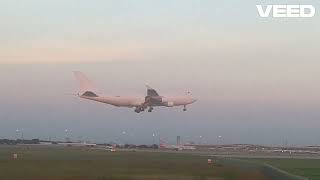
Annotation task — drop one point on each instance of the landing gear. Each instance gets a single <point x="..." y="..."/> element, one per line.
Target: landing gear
<point x="147" y="102"/>
<point x="184" y="108"/>
<point x="137" y="110"/>
<point x="150" y="109"/>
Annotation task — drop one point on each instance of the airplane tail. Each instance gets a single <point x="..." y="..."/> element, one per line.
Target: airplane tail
<point x="86" y="87"/>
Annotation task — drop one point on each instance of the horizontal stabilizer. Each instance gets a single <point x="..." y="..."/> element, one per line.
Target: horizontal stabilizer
<point x="89" y="94"/>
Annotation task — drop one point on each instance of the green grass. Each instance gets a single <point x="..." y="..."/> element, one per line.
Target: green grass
<point x="309" y="168"/>
<point x="85" y="164"/>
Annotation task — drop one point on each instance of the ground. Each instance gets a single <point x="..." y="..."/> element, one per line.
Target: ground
<point x="88" y="164"/>
<point x="309" y="168"/>
<point x="68" y="163"/>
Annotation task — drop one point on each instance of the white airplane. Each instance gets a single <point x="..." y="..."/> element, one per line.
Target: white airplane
<point x="89" y="91"/>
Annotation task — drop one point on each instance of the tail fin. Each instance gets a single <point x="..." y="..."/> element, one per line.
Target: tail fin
<point x="87" y="88"/>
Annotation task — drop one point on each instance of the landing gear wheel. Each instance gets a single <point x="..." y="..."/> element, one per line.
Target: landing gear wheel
<point x="184" y="108"/>
<point x="137" y="110"/>
<point x="150" y="109"/>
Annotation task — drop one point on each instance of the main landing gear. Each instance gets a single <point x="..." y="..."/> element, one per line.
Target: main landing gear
<point x="144" y="105"/>
<point x="150" y="109"/>
<point x="138" y="109"/>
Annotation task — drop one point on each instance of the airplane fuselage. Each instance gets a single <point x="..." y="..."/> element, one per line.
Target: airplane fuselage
<point x="127" y="101"/>
<point x="177" y="101"/>
<point x="124" y="101"/>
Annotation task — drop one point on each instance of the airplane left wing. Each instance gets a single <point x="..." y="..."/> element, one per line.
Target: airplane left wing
<point x="151" y="92"/>
<point x="151" y="100"/>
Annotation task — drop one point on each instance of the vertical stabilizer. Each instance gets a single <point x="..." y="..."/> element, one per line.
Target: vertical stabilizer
<point x="86" y="87"/>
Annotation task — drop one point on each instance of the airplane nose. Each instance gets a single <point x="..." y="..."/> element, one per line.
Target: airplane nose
<point x="193" y="100"/>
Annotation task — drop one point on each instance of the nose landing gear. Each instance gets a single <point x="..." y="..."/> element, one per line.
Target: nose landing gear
<point x="184" y="108"/>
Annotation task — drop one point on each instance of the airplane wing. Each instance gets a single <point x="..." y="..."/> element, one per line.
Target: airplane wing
<point x="151" y="92"/>
<point x="152" y="99"/>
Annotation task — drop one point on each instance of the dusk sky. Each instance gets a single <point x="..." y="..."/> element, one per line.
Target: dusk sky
<point x="257" y="80"/>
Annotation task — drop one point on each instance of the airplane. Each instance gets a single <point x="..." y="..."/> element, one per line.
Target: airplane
<point x="89" y="91"/>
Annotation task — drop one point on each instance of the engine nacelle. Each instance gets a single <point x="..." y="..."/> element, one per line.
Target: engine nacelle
<point x="170" y="104"/>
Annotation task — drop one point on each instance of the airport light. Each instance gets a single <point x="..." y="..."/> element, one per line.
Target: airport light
<point x="219" y="139"/>
<point x="200" y="139"/>
<point x="67" y="131"/>
<point x="153" y="138"/>
<point x="124" y="139"/>
<point x="19" y="131"/>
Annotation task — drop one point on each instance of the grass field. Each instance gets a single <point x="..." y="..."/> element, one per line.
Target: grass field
<point x="85" y="164"/>
<point x="309" y="168"/>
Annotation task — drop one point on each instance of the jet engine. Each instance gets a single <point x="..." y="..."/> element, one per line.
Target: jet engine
<point x="169" y="104"/>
